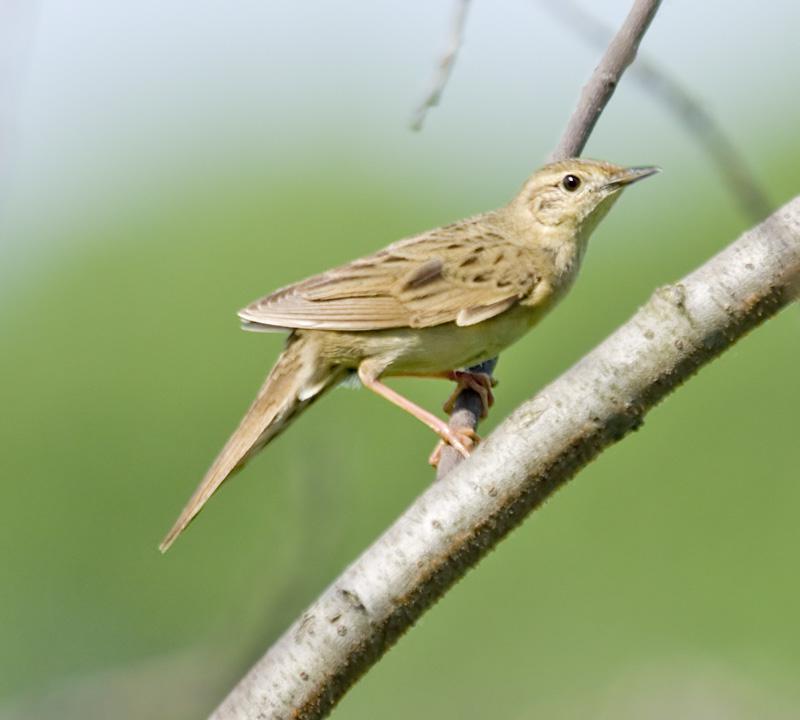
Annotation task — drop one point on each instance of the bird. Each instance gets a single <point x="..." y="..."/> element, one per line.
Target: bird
<point x="430" y="305"/>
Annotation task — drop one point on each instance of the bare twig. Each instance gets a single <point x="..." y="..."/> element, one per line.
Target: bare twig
<point x="596" y="94"/>
<point x="598" y="91"/>
<point x="537" y="449"/>
<point x="688" y="110"/>
<point x="445" y="66"/>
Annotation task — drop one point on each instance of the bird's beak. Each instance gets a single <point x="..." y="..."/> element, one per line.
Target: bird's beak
<point x="630" y="175"/>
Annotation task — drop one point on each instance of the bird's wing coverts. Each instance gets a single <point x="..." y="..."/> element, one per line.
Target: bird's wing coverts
<point x="463" y="273"/>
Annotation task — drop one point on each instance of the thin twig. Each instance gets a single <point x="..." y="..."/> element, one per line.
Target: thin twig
<point x="544" y="443"/>
<point x="596" y="94"/>
<point x="598" y="91"/>
<point x="689" y="111"/>
<point x="445" y="66"/>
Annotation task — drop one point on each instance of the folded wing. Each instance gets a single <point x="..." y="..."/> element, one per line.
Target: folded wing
<point x="463" y="274"/>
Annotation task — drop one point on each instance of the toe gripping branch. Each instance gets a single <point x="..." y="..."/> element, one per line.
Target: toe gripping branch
<point x="479" y="382"/>
<point x="469" y="403"/>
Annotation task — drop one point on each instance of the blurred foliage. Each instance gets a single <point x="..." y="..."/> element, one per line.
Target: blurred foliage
<point x="664" y="574"/>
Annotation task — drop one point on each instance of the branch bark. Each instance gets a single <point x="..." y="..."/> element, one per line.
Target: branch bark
<point x="533" y="452"/>
<point x="594" y="97"/>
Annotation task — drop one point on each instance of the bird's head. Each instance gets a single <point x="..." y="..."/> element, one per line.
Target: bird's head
<point x="575" y="194"/>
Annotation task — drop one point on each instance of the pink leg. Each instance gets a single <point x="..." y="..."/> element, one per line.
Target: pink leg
<point x="481" y="383"/>
<point x="460" y="440"/>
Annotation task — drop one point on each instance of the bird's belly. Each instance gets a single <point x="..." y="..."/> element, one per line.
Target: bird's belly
<point x="448" y="347"/>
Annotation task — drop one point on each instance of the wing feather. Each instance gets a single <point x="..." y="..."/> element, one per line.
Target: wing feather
<point x="465" y="273"/>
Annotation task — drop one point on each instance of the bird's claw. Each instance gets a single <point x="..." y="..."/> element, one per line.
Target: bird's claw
<point x="481" y="383"/>
<point x="463" y="440"/>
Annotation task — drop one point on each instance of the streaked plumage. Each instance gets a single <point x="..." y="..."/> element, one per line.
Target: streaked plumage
<point x="426" y="305"/>
<point x="463" y="273"/>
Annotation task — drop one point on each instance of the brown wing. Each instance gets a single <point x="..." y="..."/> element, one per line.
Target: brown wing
<point x="464" y="273"/>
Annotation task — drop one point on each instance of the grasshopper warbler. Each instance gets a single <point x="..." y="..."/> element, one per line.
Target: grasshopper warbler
<point x="427" y="305"/>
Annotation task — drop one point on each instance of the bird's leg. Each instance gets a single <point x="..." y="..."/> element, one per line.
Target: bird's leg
<point x="481" y="383"/>
<point x="462" y="439"/>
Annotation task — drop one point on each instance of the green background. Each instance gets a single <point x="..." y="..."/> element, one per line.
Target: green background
<point x="661" y="582"/>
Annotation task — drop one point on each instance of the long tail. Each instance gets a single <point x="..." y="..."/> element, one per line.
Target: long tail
<point x="297" y="379"/>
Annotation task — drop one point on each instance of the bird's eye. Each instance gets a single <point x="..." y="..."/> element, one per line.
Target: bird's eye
<point x="571" y="183"/>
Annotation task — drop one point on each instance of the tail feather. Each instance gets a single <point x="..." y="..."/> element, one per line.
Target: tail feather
<point x="294" y="383"/>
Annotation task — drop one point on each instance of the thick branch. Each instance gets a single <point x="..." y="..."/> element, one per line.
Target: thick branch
<point x="594" y="98"/>
<point x="538" y="448"/>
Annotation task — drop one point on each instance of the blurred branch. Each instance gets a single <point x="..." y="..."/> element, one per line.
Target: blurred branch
<point x="18" y="19"/>
<point x="544" y="443"/>
<point x="445" y="66"/>
<point x="687" y="109"/>
<point x="594" y="97"/>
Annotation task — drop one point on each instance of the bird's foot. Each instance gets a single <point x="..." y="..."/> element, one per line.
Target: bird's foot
<point x="481" y="383"/>
<point x="463" y="440"/>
